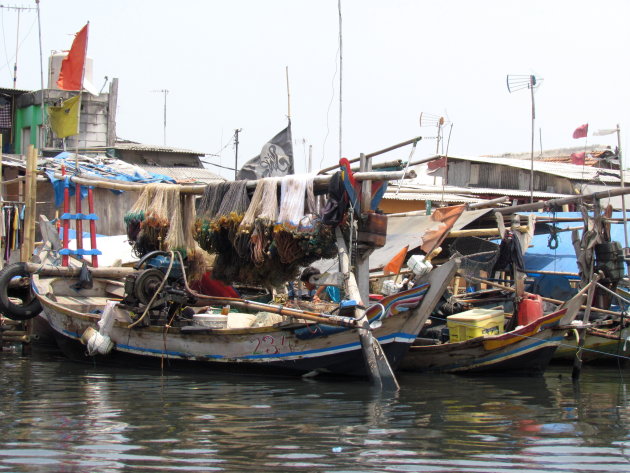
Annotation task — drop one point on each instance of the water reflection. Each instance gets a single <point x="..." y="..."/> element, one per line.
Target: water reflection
<point x="58" y="416"/>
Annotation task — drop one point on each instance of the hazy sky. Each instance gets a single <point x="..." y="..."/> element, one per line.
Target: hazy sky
<point x="224" y="64"/>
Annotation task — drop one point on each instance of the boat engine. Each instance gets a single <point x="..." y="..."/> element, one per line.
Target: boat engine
<point x="156" y="289"/>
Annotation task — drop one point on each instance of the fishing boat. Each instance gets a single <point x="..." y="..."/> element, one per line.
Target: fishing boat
<point x="524" y="350"/>
<point x="100" y="323"/>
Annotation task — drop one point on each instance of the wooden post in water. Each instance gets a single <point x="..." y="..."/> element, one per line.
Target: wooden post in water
<point x="1" y="215"/>
<point x="363" y="258"/>
<point x="30" y="192"/>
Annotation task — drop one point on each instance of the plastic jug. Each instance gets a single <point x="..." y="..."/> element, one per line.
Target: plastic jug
<point x="530" y="309"/>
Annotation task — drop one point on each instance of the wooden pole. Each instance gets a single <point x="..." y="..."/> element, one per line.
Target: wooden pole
<point x="363" y="259"/>
<point x="577" y="362"/>
<point x="28" y="243"/>
<point x="376" y="153"/>
<point x="623" y="200"/>
<point x="2" y="198"/>
<point x="320" y="182"/>
<point x="378" y="368"/>
<point x="548" y="299"/>
<point x="613" y="192"/>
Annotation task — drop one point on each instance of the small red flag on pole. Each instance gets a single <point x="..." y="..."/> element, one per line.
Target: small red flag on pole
<point x="581" y="131"/>
<point x="578" y="158"/>
<point x="71" y="74"/>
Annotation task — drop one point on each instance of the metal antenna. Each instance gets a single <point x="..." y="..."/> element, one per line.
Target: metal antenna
<point x="165" y="92"/>
<point x="516" y="82"/>
<point x="437" y="121"/>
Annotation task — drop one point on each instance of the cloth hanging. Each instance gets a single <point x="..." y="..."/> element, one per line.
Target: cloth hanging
<point x="337" y="202"/>
<point x="510" y="254"/>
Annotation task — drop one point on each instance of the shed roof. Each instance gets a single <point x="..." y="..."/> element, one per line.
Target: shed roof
<point x="570" y="171"/>
<point x="184" y="174"/>
<point x="432" y="192"/>
<point x="131" y="146"/>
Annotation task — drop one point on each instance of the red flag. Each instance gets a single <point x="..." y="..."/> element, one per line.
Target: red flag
<point x="71" y="74"/>
<point x="578" y="158"/>
<point x="581" y="131"/>
<point x="393" y="267"/>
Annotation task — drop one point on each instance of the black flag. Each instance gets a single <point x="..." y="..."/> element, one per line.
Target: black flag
<point x="275" y="158"/>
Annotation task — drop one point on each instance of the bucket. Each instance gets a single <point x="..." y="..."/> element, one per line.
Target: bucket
<point x="210" y="320"/>
<point x="530" y="309"/>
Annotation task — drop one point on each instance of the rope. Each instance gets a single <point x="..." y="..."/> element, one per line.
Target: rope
<point x="413" y="150"/>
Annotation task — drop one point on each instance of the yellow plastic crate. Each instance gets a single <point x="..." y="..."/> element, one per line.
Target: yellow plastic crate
<point x="475" y="323"/>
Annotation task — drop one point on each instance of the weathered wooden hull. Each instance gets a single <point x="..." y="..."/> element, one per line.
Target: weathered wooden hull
<point x="292" y="349"/>
<point x="596" y="349"/>
<point x="527" y="350"/>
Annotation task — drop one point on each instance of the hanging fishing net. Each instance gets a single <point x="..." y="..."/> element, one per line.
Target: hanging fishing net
<point x="265" y="240"/>
<point x="134" y="218"/>
<point x="478" y="256"/>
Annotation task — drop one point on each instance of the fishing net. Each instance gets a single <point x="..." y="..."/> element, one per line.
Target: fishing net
<point x="134" y="218"/>
<point x="207" y="211"/>
<point x="263" y="241"/>
<point x="218" y="225"/>
<point x="477" y="255"/>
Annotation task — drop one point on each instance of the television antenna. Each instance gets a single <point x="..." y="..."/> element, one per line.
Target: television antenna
<point x="437" y="121"/>
<point x="165" y="92"/>
<point x="516" y="82"/>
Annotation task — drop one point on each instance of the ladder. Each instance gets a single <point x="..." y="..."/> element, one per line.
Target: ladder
<point x="78" y="217"/>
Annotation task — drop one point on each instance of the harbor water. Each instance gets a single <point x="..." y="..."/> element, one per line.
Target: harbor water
<point x="58" y="416"/>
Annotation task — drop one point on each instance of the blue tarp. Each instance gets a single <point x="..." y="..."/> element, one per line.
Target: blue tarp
<point x="97" y="170"/>
<point x="562" y="259"/>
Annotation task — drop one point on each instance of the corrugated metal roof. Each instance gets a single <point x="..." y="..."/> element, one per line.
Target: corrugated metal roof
<point x="569" y="171"/>
<point x="432" y="196"/>
<point x="154" y="148"/>
<point x="471" y="191"/>
<point x="182" y="174"/>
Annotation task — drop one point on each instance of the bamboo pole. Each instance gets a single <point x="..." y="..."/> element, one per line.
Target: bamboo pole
<point x="487" y="203"/>
<point x="49" y="270"/>
<point x="548" y="299"/>
<point x="565" y="200"/>
<point x="319" y="181"/>
<point x="1" y="195"/>
<point x="376" y="153"/>
<point x="30" y="201"/>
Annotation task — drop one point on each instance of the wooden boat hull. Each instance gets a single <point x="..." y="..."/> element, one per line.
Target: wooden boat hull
<point x="292" y="348"/>
<point x="596" y="349"/>
<point x="526" y="350"/>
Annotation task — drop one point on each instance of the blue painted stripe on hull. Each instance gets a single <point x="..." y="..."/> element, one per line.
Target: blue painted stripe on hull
<point x="493" y="358"/>
<point x="394" y="337"/>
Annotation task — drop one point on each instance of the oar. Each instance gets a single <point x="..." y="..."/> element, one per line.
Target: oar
<point x="379" y="370"/>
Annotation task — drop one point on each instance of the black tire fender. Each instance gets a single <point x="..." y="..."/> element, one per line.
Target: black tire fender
<point x="30" y="305"/>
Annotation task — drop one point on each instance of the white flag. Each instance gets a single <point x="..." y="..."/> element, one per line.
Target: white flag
<point x="606" y="131"/>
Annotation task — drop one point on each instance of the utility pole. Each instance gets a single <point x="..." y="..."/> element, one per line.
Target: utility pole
<point x="165" y="92"/>
<point x="236" y="132"/>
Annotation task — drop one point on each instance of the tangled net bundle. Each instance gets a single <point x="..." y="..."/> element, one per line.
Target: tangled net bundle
<point x="272" y="242"/>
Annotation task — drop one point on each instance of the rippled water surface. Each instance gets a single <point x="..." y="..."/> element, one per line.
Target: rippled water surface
<point x="57" y="416"/>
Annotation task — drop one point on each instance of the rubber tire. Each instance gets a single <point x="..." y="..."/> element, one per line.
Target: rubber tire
<point x="31" y="307"/>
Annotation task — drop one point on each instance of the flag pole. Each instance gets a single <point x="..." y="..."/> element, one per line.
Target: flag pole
<point x="76" y="156"/>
